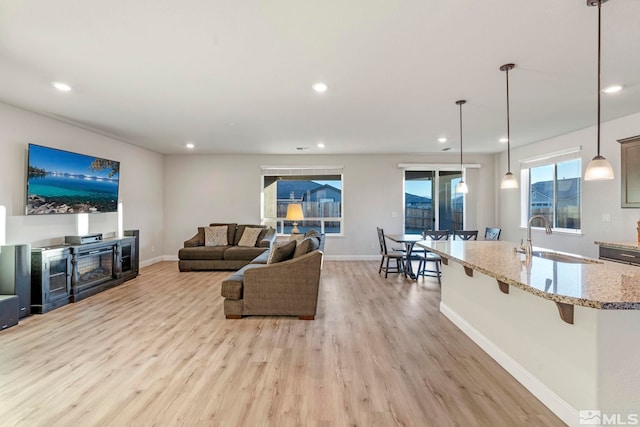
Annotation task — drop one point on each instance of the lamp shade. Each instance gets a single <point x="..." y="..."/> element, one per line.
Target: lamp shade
<point x="598" y="169"/>
<point x="294" y="212"/>
<point x="509" y="181"/>
<point x="462" y="187"/>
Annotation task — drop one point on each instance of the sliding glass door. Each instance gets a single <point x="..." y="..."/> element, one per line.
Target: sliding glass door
<point x="424" y="190"/>
<point x="450" y="203"/>
<point x="418" y="201"/>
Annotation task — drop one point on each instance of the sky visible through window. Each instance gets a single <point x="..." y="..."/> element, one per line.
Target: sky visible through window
<point x="542" y="173"/>
<point x="570" y="169"/>
<point x="418" y="187"/>
<point x="566" y="170"/>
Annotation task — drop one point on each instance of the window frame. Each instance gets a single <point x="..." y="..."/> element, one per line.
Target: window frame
<point x="306" y="171"/>
<point x="436" y="190"/>
<point x="525" y="179"/>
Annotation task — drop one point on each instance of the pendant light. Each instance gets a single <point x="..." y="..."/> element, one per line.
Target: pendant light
<point x="461" y="187"/>
<point x="599" y="168"/>
<point x="508" y="180"/>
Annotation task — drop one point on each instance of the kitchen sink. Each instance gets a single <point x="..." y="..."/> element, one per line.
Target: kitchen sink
<point x="566" y="258"/>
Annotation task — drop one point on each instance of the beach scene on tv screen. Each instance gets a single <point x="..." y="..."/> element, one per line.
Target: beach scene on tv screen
<point x="62" y="182"/>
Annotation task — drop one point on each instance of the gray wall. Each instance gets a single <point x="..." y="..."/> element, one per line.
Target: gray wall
<point x="599" y="197"/>
<point x="141" y="182"/>
<point x="200" y="189"/>
<point x="167" y="197"/>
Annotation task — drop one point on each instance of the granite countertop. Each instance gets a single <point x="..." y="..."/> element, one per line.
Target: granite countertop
<point x="634" y="246"/>
<point x="595" y="283"/>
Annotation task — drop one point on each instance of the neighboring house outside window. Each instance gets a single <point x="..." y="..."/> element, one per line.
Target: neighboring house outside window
<point x="318" y="190"/>
<point x="555" y="191"/>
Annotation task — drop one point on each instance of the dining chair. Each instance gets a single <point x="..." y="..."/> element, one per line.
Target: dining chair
<point x="387" y="256"/>
<point x="465" y="234"/>
<point x="427" y="257"/>
<point x="436" y="234"/>
<point x="492" y="233"/>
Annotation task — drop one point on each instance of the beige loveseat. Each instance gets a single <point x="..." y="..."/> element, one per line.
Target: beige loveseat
<point x="231" y="254"/>
<point x="288" y="285"/>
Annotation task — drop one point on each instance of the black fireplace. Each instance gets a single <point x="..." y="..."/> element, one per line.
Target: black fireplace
<point x="93" y="266"/>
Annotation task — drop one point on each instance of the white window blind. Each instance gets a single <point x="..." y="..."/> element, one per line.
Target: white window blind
<point x="300" y="170"/>
<point x="550" y="158"/>
<point x="437" y="166"/>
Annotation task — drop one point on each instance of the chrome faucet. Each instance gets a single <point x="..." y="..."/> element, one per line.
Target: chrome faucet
<point x="527" y="249"/>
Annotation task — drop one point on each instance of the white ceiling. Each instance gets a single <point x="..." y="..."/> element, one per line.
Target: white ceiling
<point x="235" y="76"/>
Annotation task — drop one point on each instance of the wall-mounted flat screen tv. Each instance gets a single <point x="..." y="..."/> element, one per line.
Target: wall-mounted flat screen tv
<point x="62" y="182"/>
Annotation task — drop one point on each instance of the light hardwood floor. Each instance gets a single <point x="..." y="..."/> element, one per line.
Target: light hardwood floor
<point x="157" y="351"/>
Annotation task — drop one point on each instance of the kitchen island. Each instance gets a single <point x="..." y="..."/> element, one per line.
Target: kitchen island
<point x="566" y="327"/>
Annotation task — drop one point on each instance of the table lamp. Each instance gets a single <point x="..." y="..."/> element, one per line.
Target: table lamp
<point x="294" y="213"/>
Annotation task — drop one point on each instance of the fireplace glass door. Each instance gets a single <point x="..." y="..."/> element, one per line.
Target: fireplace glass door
<point x="58" y="277"/>
<point x="94" y="266"/>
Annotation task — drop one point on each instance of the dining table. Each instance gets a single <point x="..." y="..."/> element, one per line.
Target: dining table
<point x="409" y="241"/>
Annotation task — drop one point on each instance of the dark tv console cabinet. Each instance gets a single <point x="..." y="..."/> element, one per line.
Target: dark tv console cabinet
<point x="69" y="273"/>
<point x="50" y="278"/>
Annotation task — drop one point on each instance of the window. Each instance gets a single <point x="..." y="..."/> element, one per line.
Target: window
<point x="425" y="189"/>
<point x="318" y="190"/>
<point x="555" y="192"/>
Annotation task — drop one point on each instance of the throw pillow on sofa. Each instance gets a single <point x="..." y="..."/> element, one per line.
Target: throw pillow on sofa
<point x="272" y="252"/>
<point x="312" y="233"/>
<point x="282" y="252"/>
<point x="250" y="236"/>
<point x="216" y="236"/>
<point x="306" y="245"/>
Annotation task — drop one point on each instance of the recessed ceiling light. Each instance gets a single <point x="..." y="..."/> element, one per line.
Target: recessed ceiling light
<point x="62" y="87"/>
<point x="320" y="87"/>
<point x="612" y="89"/>
<point x="442" y="140"/>
<point x="190" y="145"/>
<point x="321" y="145"/>
<point x="503" y="140"/>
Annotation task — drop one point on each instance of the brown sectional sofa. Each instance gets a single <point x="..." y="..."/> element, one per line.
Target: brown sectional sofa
<point x="289" y="287"/>
<point x="196" y="256"/>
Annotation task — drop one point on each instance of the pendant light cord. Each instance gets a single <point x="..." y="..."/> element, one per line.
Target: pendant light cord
<point x="599" y="19"/>
<point x="508" y="128"/>
<point x="460" y="103"/>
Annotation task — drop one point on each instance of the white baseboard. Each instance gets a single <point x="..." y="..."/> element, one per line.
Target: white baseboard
<point x="352" y="257"/>
<point x="548" y="397"/>
<point x="326" y="257"/>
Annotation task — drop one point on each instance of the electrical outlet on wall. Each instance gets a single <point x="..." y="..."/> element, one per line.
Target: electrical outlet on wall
<point x="606" y="217"/>
<point x="394" y="214"/>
